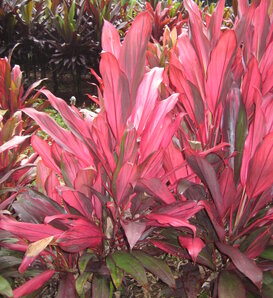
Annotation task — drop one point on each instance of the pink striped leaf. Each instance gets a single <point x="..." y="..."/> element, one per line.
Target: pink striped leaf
<point x="132" y="54"/>
<point x="110" y="40"/>
<point x="260" y="168"/>
<point x="117" y="99"/>
<point x="218" y="69"/>
<point x="245" y="265"/>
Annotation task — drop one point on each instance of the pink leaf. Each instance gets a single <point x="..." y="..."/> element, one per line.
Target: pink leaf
<point x="251" y="83"/>
<point x="216" y="23"/>
<point x="110" y="40"/>
<point x="132" y="54"/>
<point x="12" y="143"/>
<point x="218" y="69"/>
<point x="133" y="231"/>
<point x="147" y="95"/>
<point x="33" y="284"/>
<point x="117" y="99"/>
<point x="198" y="33"/>
<point x="193" y="245"/>
<point x="44" y="150"/>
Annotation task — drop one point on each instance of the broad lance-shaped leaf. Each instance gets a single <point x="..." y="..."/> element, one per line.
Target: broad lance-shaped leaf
<point x="117" y="98"/>
<point x="33" y="284"/>
<point x="130" y="265"/>
<point x="260" y="168"/>
<point x="193" y="245"/>
<point x="110" y="40"/>
<point x="198" y="36"/>
<point x="132" y="53"/>
<point x="240" y="137"/>
<point x="133" y="231"/>
<point x="230" y="286"/>
<point x="166" y="220"/>
<point x="33" y="251"/>
<point x="208" y="176"/>
<point x="73" y="119"/>
<point x="12" y="143"/>
<point x="254" y="137"/>
<point x="218" y="69"/>
<point x="156" y="188"/>
<point x="63" y="137"/>
<point x="147" y="95"/>
<point x="251" y="83"/>
<point x="115" y="271"/>
<point x="243" y="263"/>
<point x="29" y="231"/>
<point x="215" y="24"/>
<point x="5" y="288"/>
<point x="158" y="267"/>
<point x="100" y="287"/>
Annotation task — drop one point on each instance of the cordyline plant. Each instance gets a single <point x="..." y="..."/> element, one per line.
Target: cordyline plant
<point x="15" y="130"/>
<point x="225" y="88"/>
<point x="101" y="185"/>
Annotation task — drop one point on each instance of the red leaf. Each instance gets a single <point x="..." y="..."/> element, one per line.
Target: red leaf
<point x="117" y="99"/>
<point x="64" y="138"/>
<point x="260" y="168"/>
<point x="230" y="285"/>
<point x="156" y="188"/>
<point x="208" y="176"/>
<point x="166" y="221"/>
<point x="33" y="284"/>
<point x="216" y="23"/>
<point x="198" y="36"/>
<point x="132" y="54"/>
<point x="218" y="68"/>
<point x="29" y="231"/>
<point x="255" y="136"/>
<point x="261" y="24"/>
<point x="193" y="245"/>
<point x="190" y="63"/>
<point x="110" y="40"/>
<point x="156" y="130"/>
<point x="243" y="263"/>
<point x="44" y="150"/>
<point x="78" y="201"/>
<point x="81" y="235"/>
<point x="251" y="82"/>
<point x="266" y="67"/>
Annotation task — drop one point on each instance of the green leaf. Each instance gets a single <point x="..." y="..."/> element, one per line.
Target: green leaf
<point x="100" y="287"/>
<point x="241" y="133"/>
<point x="230" y="286"/>
<point x="116" y="272"/>
<point x="267" y="253"/>
<point x="131" y="265"/>
<point x="267" y="285"/>
<point x="83" y="261"/>
<point x="5" y="288"/>
<point x="156" y="266"/>
<point x="81" y="281"/>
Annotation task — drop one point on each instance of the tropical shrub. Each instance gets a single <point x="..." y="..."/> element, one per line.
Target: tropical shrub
<point x="177" y="160"/>
<point x="102" y="182"/>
